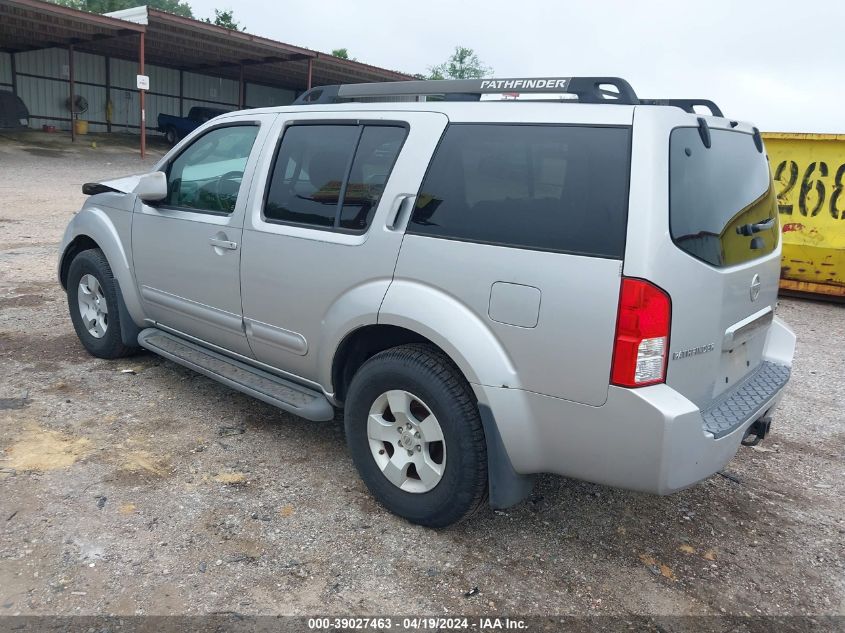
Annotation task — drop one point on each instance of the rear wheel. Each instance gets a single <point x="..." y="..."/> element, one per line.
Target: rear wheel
<point x="92" y="302"/>
<point x="170" y="135"/>
<point x="415" y="435"/>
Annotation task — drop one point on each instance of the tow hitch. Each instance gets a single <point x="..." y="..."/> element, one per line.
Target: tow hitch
<point x="757" y="431"/>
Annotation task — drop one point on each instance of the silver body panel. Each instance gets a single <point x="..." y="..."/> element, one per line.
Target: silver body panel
<point x="437" y="287"/>
<point x="531" y="331"/>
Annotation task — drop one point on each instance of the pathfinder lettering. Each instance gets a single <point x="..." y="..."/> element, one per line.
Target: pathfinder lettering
<point x="525" y="84"/>
<point x="686" y="353"/>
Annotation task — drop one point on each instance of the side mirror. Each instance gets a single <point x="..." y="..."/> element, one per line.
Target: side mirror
<point x="151" y="187"/>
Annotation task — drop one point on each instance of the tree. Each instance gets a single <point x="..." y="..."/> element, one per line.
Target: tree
<point x="107" y="6"/>
<point x="462" y="64"/>
<point x="342" y="53"/>
<point x="226" y="19"/>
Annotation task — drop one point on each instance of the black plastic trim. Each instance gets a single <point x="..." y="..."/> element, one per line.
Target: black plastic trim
<point x="129" y="331"/>
<point x="506" y="486"/>
<point x="687" y="105"/>
<point x="758" y="140"/>
<point x="93" y="188"/>
<point x="704" y="132"/>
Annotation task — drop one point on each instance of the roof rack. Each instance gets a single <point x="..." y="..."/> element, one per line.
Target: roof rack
<point x="687" y="105"/>
<point x="584" y="89"/>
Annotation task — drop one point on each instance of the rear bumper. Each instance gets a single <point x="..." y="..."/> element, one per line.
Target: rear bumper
<point x="651" y="439"/>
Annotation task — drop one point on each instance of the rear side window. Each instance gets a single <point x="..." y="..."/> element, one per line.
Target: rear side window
<point x="722" y="204"/>
<point x="332" y="176"/>
<point x="543" y="187"/>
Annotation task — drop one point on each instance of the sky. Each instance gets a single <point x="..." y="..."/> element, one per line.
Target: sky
<point x="777" y="63"/>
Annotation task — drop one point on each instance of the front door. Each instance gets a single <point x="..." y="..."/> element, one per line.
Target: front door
<point x="187" y="249"/>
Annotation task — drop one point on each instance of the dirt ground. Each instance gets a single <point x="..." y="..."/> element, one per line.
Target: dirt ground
<point x="158" y="491"/>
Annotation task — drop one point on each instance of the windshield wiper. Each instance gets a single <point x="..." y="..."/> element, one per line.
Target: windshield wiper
<point x="751" y="229"/>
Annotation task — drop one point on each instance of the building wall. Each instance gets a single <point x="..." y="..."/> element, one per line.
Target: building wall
<point x="258" y="96"/>
<point x="42" y="80"/>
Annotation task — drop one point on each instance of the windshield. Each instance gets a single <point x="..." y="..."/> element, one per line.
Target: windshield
<point x="722" y="204"/>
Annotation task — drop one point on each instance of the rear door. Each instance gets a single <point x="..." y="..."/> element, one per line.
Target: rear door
<point x="704" y="227"/>
<point x="523" y="225"/>
<point x="319" y="247"/>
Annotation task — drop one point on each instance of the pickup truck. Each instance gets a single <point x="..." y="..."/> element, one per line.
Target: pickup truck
<point x="175" y="128"/>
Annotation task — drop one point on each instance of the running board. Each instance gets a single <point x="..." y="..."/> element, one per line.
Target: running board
<point x="281" y="393"/>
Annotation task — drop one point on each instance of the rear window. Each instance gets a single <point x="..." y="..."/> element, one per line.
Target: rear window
<point x="722" y="204"/>
<point x="543" y="187"/>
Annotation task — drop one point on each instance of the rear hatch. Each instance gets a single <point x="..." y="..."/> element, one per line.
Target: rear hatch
<point x="720" y="261"/>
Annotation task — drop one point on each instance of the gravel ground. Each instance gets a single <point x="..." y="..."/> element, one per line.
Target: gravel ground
<point x="158" y="491"/>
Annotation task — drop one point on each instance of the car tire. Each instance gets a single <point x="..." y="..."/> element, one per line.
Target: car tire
<point x="93" y="305"/>
<point x="419" y="379"/>
<point x="170" y="135"/>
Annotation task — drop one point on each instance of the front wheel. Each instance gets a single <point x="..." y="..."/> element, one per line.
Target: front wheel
<point x="92" y="302"/>
<point x="415" y="435"/>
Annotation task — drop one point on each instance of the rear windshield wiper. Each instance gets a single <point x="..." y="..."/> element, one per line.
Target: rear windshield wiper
<point x="751" y="229"/>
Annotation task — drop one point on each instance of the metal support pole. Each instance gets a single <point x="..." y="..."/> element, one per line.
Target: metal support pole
<point x="72" y="90"/>
<point x="14" y="74"/>
<point x="181" y="93"/>
<point x="310" y="71"/>
<point x="141" y="96"/>
<point x="109" y="110"/>
<point x="241" y="89"/>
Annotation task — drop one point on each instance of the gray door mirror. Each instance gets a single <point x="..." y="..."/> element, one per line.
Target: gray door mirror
<point x="152" y="187"/>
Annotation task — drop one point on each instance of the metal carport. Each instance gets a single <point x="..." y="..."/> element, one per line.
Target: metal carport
<point x="152" y="37"/>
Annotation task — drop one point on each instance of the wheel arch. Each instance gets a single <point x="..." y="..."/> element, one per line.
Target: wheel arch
<point x="108" y="230"/>
<point x="361" y="344"/>
<point x="77" y="245"/>
<point x="506" y="486"/>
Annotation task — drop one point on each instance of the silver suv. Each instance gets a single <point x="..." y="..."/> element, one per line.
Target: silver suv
<point x="574" y="281"/>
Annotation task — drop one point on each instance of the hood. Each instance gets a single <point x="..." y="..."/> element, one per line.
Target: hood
<point x="149" y="186"/>
<point x="124" y="184"/>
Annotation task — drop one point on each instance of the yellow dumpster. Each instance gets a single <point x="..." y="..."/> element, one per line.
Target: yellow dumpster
<point x="809" y="173"/>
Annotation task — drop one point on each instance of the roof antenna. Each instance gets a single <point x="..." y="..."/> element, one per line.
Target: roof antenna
<point x="704" y="132"/>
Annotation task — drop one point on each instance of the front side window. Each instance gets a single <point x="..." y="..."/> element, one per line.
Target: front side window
<point x="207" y="175"/>
<point x="543" y="187"/>
<point x="722" y="204"/>
<point x="332" y="176"/>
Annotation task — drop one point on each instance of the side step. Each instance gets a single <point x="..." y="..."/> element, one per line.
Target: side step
<point x="299" y="400"/>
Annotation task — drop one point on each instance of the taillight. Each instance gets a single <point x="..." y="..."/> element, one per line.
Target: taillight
<point x="642" y="335"/>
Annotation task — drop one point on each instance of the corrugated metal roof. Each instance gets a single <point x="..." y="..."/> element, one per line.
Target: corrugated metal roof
<point x="178" y="42"/>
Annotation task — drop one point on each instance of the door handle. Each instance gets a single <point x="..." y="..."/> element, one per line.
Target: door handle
<point x="399" y="216"/>
<point x="221" y="243"/>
